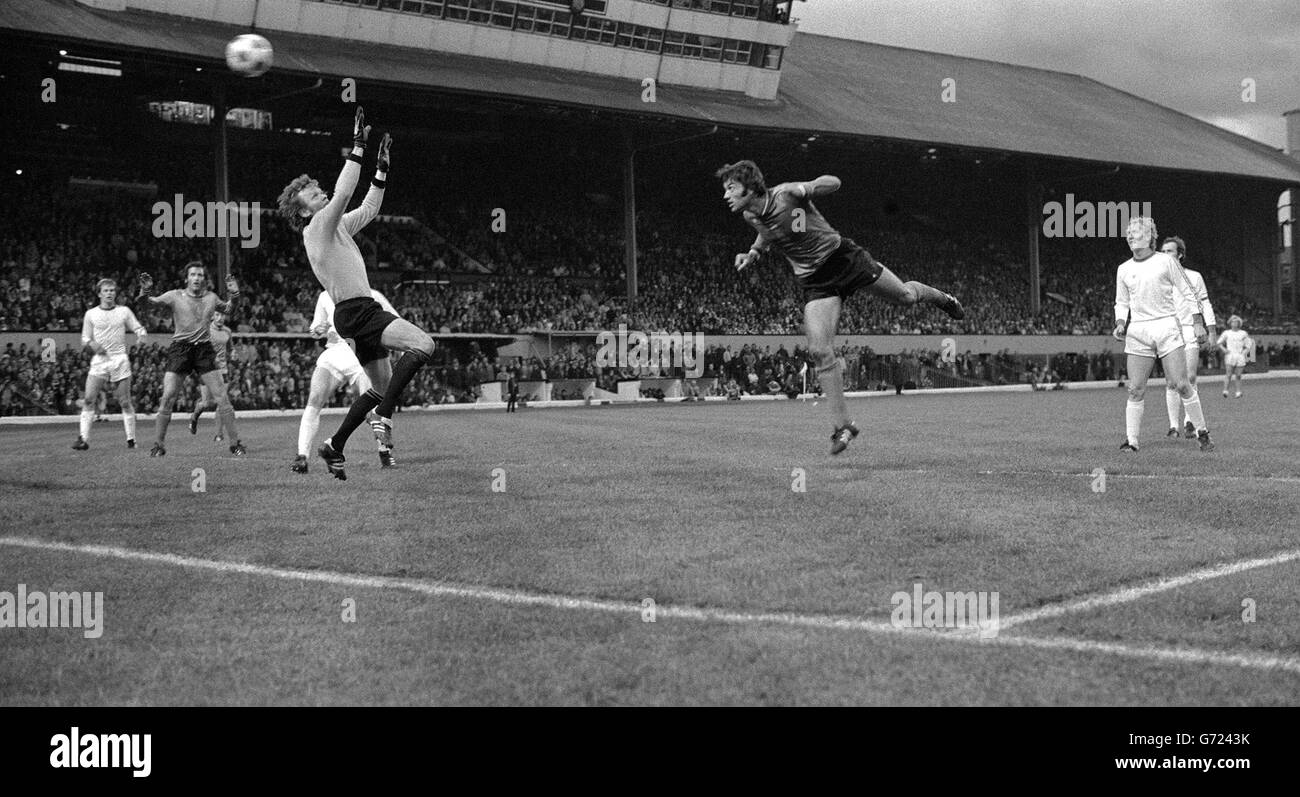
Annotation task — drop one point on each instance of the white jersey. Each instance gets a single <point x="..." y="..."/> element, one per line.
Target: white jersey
<point x="1153" y="288"/>
<point x="108" y="328"/>
<point x="1236" y="341"/>
<point x="1202" y="297"/>
<point x="325" y="315"/>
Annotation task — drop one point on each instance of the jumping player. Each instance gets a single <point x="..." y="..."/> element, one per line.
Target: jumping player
<point x="221" y="345"/>
<point x="1235" y="344"/>
<point x="337" y="365"/>
<point x="1151" y="296"/>
<point x="336" y="261"/>
<point x="1176" y="248"/>
<point x="191" y="350"/>
<point x="828" y="267"/>
<point x="103" y="331"/>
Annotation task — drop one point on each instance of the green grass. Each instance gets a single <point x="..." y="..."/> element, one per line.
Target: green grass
<point x="690" y="505"/>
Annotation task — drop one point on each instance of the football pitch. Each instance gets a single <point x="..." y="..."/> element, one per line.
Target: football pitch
<point x="670" y="554"/>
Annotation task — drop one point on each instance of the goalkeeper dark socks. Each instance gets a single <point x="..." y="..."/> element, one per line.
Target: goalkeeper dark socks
<point x="403" y="373"/>
<point x="356" y="416"/>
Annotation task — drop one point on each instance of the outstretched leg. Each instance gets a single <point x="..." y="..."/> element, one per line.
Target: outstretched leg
<point x="890" y="288"/>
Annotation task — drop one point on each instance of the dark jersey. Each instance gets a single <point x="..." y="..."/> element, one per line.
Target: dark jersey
<point x="793" y="226"/>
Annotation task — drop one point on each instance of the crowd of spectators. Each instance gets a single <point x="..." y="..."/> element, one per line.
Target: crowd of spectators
<point x="543" y="268"/>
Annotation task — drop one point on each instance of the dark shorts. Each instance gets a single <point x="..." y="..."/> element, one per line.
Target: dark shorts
<point x="184" y="357"/>
<point x="363" y="320"/>
<point x="849" y="269"/>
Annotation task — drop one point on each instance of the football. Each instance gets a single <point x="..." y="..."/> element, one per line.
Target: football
<point x="249" y="55"/>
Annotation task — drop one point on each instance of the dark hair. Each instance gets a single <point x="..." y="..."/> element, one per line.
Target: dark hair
<point x="1178" y="242"/>
<point x="195" y="264"/>
<point x="746" y="173"/>
<point x="289" y="204"/>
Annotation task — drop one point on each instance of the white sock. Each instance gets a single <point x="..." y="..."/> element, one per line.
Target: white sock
<point x="128" y="421"/>
<point x="307" y="429"/>
<point x="1193" y="407"/>
<point x="1173" y="403"/>
<point x="87" y="418"/>
<point x="1133" y="420"/>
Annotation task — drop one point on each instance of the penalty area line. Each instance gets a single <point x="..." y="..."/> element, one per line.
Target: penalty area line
<point x="819" y="622"/>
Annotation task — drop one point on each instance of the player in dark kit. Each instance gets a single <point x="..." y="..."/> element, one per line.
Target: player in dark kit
<point x="336" y="261"/>
<point x="828" y="267"/>
<point x="191" y="349"/>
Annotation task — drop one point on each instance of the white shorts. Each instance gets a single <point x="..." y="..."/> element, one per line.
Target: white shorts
<point x="1231" y="360"/>
<point x="114" y="368"/>
<point x="343" y="365"/>
<point x="1154" y="338"/>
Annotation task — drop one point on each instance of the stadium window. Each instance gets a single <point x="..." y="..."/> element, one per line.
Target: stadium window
<point x="524" y="18"/>
<point x="673" y="42"/>
<point x="717" y="6"/>
<point x="503" y="14"/>
<point x="711" y="48"/>
<point x="648" y="39"/>
<point x="692" y="45"/>
<point x="772" y="56"/>
<point x="433" y="8"/>
<point x="624" y="38"/>
<point x="412" y="6"/>
<point x="369" y="3"/>
<point x="560" y="27"/>
<point x="737" y="52"/>
<point x="480" y="12"/>
<point x="457" y="9"/>
<point x="390" y="5"/>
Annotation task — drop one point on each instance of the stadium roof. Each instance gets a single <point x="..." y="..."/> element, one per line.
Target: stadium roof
<point x="828" y="85"/>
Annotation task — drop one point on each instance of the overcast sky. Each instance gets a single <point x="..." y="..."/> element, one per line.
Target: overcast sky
<point x="1189" y="55"/>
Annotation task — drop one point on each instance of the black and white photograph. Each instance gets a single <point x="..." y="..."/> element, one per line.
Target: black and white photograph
<point x="650" y="353"/>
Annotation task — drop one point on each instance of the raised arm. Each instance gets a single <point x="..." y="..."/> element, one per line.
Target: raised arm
<point x="354" y="220"/>
<point x="332" y="214"/>
<point x="826" y="184"/>
<point x="232" y="293"/>
<point x="146" y="290"/>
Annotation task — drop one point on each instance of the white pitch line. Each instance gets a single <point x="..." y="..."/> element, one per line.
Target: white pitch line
<point x="821" y="622"/>
<point x="1112" y="475"/>
<point x="1130" y="594"/>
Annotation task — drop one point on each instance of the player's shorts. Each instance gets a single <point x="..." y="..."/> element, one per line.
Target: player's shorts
<point x="1154" y="338"/>
<point x="184" y="357"/>
<point x="114" y="368"/>
<point x="343" y="365"/>
<point x="363" y="320"/>
<point x="849" y="269"/>
<point x="1231" y="360"/>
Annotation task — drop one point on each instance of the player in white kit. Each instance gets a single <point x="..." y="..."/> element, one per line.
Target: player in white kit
<point x="103" y="331"/>
<point x="1151" y="295"/>
<point x="1175" y="247"/>
<point x="337" y="365"/>
<point x="1235" y="345"/>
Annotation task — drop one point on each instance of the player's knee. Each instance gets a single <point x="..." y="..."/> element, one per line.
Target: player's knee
<point x="822" y="356"/>
<point x="909" y="295"/>
<point x="1136" y="393"/>
<point x="424" y="345"/>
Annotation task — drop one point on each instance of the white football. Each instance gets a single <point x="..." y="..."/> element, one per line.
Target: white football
<point x="249" y="55"/>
